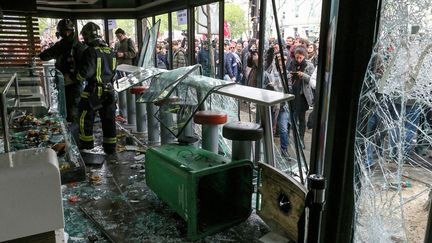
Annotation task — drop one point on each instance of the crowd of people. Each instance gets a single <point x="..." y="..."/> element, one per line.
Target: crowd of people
<point x="294" y="61"/>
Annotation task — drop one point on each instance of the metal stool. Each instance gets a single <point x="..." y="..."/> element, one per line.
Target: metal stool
<point x="131" y="114"/>
<point x="166" y="118"/>
<point x="153" y="127"/>
<point x="242" y="134"/>
<point x="141" y="114"/>
<point x="210" y="132"/>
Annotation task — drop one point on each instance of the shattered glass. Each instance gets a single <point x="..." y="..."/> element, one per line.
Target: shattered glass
<point x="30" y="126"/>
<point x="393" y="139"/>
<point x="145" y="41"/>
<point x="163" y="84"/>
<point x="27" y="131"/>
<point x="124" y="209"/>
<point x="178" y="94"/>
<point x="57" y="92"/>
<point x="184" y="99"/>
<point x="143" y="76"/>
<point x="149" y="57"/>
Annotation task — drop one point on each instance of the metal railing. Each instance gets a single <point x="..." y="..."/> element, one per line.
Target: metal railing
<point x="4" y="103"/>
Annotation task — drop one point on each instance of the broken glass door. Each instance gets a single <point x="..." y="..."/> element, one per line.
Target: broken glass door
<point x="393" y="138"/>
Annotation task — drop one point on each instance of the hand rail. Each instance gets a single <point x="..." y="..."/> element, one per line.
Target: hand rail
<point x="4" y="110"/>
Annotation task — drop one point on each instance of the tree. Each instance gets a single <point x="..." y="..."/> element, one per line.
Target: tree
<point x="206" y="11"/>
<point x="163" y="29"/>
<point x="128" y="25"/>
<point x="47" y="23"/>
<point x="236" y="18"/>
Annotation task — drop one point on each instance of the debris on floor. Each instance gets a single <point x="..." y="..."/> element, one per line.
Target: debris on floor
<point x="124" y="209"/>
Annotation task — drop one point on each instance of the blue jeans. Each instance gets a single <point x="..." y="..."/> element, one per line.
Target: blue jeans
<point x="410" y="122"/>
<point x="283" y="124"/>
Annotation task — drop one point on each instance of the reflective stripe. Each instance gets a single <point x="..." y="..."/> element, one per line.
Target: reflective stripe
<point x="109" y="140"/>
<point x="114" y="63"/>
<point x="86" y="138"/>
<point x="84" y="94"/>
<point x="79" y="77"/>
<point x="99" y="91"/>
<point x="83" y="114"/>
<point x="98" y="75"/>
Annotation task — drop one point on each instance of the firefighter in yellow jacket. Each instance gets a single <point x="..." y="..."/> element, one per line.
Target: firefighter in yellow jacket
<point x="97" y="68"/>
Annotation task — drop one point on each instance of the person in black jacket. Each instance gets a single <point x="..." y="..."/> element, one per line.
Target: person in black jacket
<point x="67" y="53"/>
<point x="98" y="69"/>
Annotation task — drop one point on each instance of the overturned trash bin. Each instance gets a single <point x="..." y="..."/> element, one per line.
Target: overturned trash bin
<point x="209" y="191"/>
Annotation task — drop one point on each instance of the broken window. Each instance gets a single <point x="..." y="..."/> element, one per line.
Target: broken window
<point x="394" y="136"/>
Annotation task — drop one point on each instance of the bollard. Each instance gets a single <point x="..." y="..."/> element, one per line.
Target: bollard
<point x="131" y="110"/>
<point x="122" y="102"/>
<point x="153" y="127"/>
<point x="141" y="114"/>
<point x="166" y="117"/>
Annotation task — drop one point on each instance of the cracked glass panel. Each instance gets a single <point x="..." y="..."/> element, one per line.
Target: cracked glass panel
<point x="178" y="94"/>
<point x="393" y="139"/>
<point x="142" y="76"/>
<point x="149" y="57"/>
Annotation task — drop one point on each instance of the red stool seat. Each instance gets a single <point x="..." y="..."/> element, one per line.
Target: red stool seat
<point x="210" y="117"/>
<point x="138" y="89"/>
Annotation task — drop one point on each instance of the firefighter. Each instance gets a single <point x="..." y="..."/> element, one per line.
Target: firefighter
<point x="67" y="51"/>
<point x="97" y="67"/>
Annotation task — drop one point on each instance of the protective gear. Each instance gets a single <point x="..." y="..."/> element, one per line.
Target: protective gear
<point x="63" y="26"/>
<point x="91" y="32"/>
<point x="98" y="68"/>
<point x="66" y="53"/>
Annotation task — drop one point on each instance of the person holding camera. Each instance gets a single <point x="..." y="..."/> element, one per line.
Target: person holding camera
<point x="252" y="64"/>
<point x="300" y="71"/>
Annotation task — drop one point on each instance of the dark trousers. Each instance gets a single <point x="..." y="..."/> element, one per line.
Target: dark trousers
<point x="300" y="117"/>
<point x="300" y="108"/>
<point x="107" y="116"/>
<point x="72" y="94"/>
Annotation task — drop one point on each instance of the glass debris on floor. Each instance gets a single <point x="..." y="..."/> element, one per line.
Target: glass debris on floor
<point x="119" y="207"/>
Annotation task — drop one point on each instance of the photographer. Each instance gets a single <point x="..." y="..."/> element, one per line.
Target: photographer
<point x="252" y="64"/>
<point x="125" y="48"/>
<point x="300" y="71"/>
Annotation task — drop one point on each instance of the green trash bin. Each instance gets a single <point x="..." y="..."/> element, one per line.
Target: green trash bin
<point x="210" y="192"/>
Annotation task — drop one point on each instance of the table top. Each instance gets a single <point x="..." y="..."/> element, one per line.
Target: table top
<point x="255" y="95"/>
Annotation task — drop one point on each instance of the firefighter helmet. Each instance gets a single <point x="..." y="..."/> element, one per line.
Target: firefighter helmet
<point x="90" y="32"/>
<point x="63" y="26"/>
